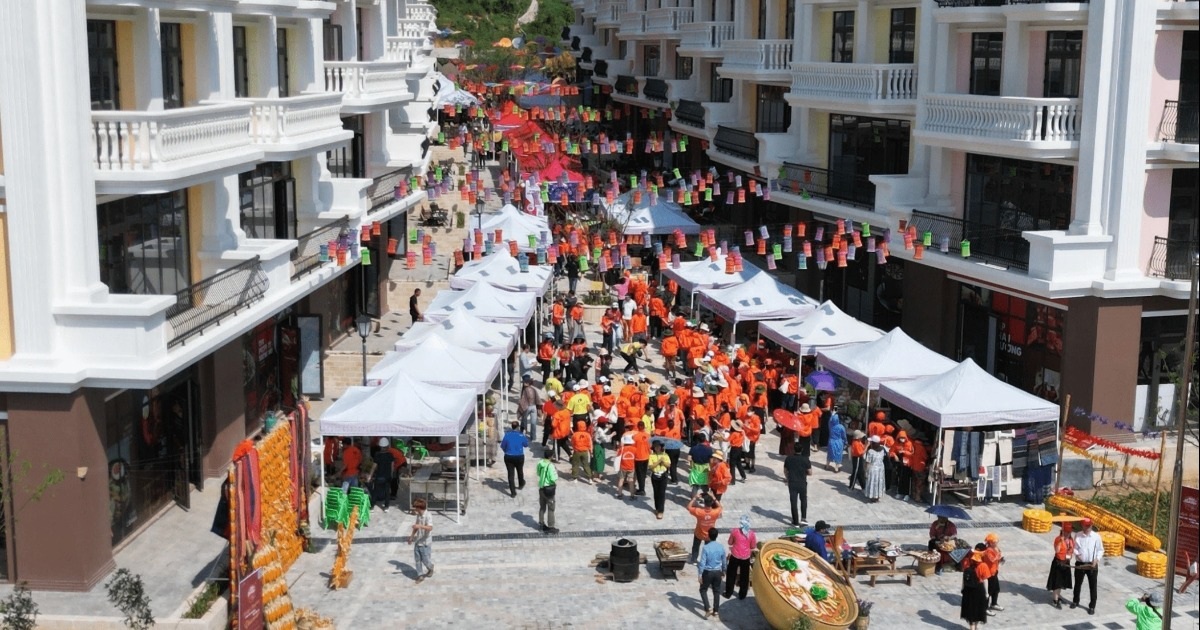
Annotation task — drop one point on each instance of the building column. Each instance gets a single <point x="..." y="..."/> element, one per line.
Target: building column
<point x="263" y="58"/>
<point x="1099" y="100"/>
<point x="307" y="170"/>
<point x="1101" y="343"/>
<point x="927" y="36"/>
<point x="214" y="56"/>
<point x="147" y="46"/>
<point x="344" y="17"/>
<point x="935" y="76"/>
<point x="307" y="56"/>
<point x="214" y="205"/>
<point x="806" y="36"/>
<point x="864" y="44"/>
<point x="1014" y="61"/>
<point x="373" y="32"/>
<point x="223" y="411"/>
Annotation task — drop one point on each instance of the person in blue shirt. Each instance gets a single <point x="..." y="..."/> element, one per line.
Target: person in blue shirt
<point x="711" y="568"/>
<point x="814" y="539"/>
<point x="514" y="444"/>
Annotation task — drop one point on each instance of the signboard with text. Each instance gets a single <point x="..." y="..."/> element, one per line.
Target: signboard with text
<point x="1189" y="529"/>
<point x="250" y="602"/>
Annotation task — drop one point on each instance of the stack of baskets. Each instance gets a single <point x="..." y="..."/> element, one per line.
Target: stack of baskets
<point x="1152" y="564"/>
<point x="1038" y="521"/>
<point x="927" y="562"/>
<point x="1114" y="543"/>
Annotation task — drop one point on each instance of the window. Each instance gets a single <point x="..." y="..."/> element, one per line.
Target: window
<point x="332" y="34"/>
<point x="1064" y="50"/>
<point x="843" y="37"/>
<point x="281" y="59"/>
<point x="721" y="89"/>
<point x="102" y="64"/>
<point x="143" y="244"/>
<point x="789" y="20"/>
<point x="1184" y="212"/>
<point x="987" y="50"/>
<point x="859" y="145"/>
<point x="650" y="63"/>
<point x="241" y="63"/>
<point x="349" y="160"/>
<point x="1018" y="194"/>
<point x="268" y="201"/>
<point x="172" y="65"/>
<point x="762" y="18"/>
<point x="622" y="49"/>
<point x="902" y="42"/>
<point x="683" y="67"/>
<point x="774" y="113"/>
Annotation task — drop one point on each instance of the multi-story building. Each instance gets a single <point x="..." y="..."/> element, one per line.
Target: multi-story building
<point x="177" y="178"/>
<point x="1048" y="148"/>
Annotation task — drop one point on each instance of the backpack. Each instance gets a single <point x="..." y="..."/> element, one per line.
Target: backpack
<point x="970" y="578"/>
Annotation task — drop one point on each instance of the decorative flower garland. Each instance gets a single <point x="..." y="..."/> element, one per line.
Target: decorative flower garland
<point x="1116" y="424"/>
<point x="1082" y="440"/>
<point x="1107" y="461"/>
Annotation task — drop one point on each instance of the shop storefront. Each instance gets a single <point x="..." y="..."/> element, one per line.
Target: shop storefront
<point x="1017" y="340"/>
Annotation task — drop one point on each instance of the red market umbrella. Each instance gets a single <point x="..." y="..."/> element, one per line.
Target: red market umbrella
<point x="787" y="419"/>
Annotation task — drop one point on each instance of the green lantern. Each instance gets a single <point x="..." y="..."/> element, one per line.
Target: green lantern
<point x="965" y="247"/>
<point x="866" y="229"/>
<point x="927" y="239"/>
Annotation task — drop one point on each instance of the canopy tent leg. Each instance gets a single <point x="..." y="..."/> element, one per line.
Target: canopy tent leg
<point x="935" y="488"/>
<point x="457" y="489"/>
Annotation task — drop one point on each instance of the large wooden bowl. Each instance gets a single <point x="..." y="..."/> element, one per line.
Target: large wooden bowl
<point x="780" y="612"/>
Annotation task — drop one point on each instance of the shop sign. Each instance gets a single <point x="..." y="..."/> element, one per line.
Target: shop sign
<point x="250" y="602"/>
<point x="1189" y="529"/>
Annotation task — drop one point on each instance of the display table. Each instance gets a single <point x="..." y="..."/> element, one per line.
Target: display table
<point x="883" y="564"/>
<point x="438" y="490"/>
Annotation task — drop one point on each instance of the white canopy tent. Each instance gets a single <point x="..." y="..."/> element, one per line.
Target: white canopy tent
<point x="518" y="226"/>
<point x="760" y="297"/>
<point x="967" y="396"/>
<point x="484" y="302"/>
<point x="402" y="407"/>
<point x="464" y="331"/>
<point x="503" y="271"/>
<point x="707" y="274"/>
<point x="650" y="216"/>
<point x="891" y="358"/>
<point x="437" y="362"/>
<point x="826" y="328"/>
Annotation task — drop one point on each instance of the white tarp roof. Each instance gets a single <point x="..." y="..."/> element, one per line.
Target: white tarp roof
<point x="463" y="331"/>
<point x="705" y="274"/>
<point x="663" y="217"/>
<point x="515" y="225"/>
<point x="501" y="270"/>
<point x="824" y="329"/>
<point x="760" y="297"/>
<point x="402" y="407"/>
<point x="437" y="362"/>
<point x="967" y="396"/>
<point x="891" y="358"/>
<point x="485" y="302"/>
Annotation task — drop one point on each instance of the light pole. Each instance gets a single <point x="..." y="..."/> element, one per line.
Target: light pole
<point x="363" y="324"/>
<point x="479" y="213"/>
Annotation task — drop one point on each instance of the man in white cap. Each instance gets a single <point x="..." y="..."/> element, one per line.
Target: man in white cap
<point x="381" y="478"/>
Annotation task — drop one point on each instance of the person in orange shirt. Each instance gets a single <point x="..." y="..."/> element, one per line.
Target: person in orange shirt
<point x="1060" y="566"/>
<point x="719" y="477"/>
<point x="993" y="556"/>
<point x="575" y="321"/>
<point x="753" y="427"/>
<point x="658" y="315"/>
<point x="919" y="464"/>
<point x="706" y="509"/>
<point x="352" y="458"/>
<point x="544" y="355"/>
<point x="877" y="426"/>
<point x="581" y="452"/>
<point x="330" y="454"/>
<point x="809" y="420"/>
<point x="901" y="454"/>
<point x="858" y="449"/>
<point x="641" y="455"/>
<point x="558" y="315"/>
<point x="626" y="463"/>
<point x="561" y="432"/>
<point x="974" y="592"/>
<point x="638" y="324"/>
<point x="737" y="451"/>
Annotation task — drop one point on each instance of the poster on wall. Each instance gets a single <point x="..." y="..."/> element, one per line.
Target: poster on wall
<point x="1189" y="529"/>
<point x="289" y="365"/>
<point x="311" y="371"/>
<point x="250" y="602"/>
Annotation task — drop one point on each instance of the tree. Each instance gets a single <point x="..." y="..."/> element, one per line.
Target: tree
<point x="18" y="611"/>
<point x="127" y="592"/>
<point x="25" y="485"/>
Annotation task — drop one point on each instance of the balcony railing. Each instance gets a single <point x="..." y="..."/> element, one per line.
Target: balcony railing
<point x="849" y="188"/>
<point x="690" y="113"/>
<point x="420" y="11"/>
<point x="736" y="142"/>
<point x="307" y="255"/>
<point x="610" y="12"/>
<point x="1180" y="122"/>
<point x="999" y="3"/>
<point x="1004" y="117"/>
<point x="632" y="23"/>
<point x="764" y="55"/>
<point x="1172" y="258"/>
<point x="146" y="141"/>
<point x="600" y="69"/>
<point x="626" y="84"/>
<point x="357" y="79"/>
<point x="212" y="299"/>
<point x="586" y="57"/>
<point x="576" y="43"/>
<point x="384" y="188"/>
<point x="855" y="81"/>
<point x="1002" y="247"/>
<point x="274" y="120"/>
<point x="709" y="35"/>
<point x="668" y="20"/>
<point x="655" y="90"/>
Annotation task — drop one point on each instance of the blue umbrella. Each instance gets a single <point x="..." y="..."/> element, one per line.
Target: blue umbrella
<point x="949" y="511"/>
<point x="822" y="381"/>
<point x="668" y="443"/>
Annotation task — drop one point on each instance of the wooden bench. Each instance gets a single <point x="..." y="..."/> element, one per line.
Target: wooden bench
<point x="876" y="572"/>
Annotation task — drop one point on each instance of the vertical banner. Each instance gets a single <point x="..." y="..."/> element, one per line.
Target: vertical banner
<point x="250" y="602"/>
<point x="1189" y="529"/>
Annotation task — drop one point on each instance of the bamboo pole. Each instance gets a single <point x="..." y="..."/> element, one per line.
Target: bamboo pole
<point x="1062" y="425"/>
<point x="1162" y="450"/>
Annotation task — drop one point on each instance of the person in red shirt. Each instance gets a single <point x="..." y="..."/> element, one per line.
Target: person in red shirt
<point x="330" y="454"/>
<point x="901" y="454"/>
<point x="544" y="355"/>
<point x="658" y="314"/>
<point x="669" y="350"/>
<point x="919" y="464"/>
<point x="549" y="408"/>
<point x="641" y="451"/>
<point x="352" y="458"/>
<point x="625" y="465"/>
<point x="581" y="452"/>
<point x="558" y="315"/>
<point x="753" y="427"/>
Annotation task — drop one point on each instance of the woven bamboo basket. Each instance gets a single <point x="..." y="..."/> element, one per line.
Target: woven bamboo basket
<point x="1152" y="564"/>
<point x="1036" y="521"/>
<point x="1114" y="543"/>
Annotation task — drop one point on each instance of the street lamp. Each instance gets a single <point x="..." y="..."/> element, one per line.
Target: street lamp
<point x="363" y="324"/>
<point x="479" y="212"/>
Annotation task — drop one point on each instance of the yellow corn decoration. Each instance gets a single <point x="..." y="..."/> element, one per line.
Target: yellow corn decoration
<point x="1135" y="537"/>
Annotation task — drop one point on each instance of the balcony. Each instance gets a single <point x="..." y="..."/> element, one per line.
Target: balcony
<point x="1171" y="259"/>
<point x="384" y="191"/>
<point x="158" y="151"/>
<point x="286" y="128"/>
<point x="207" y="302"/>
<point x="805" y="181"/>
<point x="626" y="85"/>
<point x="655" y="90"/>
<point x="976" y="11"/>
<point x="1178" y="136"/>
<point x="420" y="11"/>
<point x="667" y="22"/>
<point x="600" y="69"/>
<point x="855" y="88"/>
<point x="945" y="4"/>
<point x="690" y="113"/>
<point x="367" y="85"/>
<point x="1028" y="128"/>
<point x="307" y="257"/>
<point x="763" y="60"/>
<point x="632" y="25"/>
<point x="609" y="14"/>
<point x="995" y="246"/>
<point x="737" y="143"/>
<point x="704" y="39"/>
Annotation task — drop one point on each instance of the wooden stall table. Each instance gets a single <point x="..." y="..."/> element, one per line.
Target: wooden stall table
<point x="964" y="491"/>
<point x="438" y="489"/>
<point x="882" y="564"/>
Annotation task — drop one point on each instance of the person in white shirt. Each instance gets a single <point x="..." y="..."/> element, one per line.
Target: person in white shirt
<point x="1089" y="549"/>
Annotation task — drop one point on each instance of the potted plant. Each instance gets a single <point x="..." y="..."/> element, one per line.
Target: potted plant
<point x="864" y="615"/>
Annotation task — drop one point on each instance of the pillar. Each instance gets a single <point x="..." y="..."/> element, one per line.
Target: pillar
<point x="1101" y="342"/>
<point x="223" y="419"/>
<point x="864" y="45"/>
<point x="147" y="46"/>
<point x="1014" y="74"/>
<point x="214" y="56"/>
<point x="264" y="77"/>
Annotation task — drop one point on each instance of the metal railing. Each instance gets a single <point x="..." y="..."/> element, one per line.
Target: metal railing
<point x="600" y="69"/>
<point x="586" y="57"/>
<point x="849" y="188"/>
<point x="212" y="299"/>
<point x="307" y="255"/>
<point x="575" y="43"/>
<point x="999" y="3"/>
<point x="1171" y="258"/>
<point x="999" y="246"/>
<point x="736" y="142"/>
<point x="690" y="113"/>
<point x="626" y="84"/>
<point x="655" y="90"/>
<point x="382" y="190"/>
<point x="1180" y="122"/>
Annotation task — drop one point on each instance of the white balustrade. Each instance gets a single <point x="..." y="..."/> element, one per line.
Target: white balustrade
<point x="632" y="23"/>
<point x="855" y="81"/>
<point x="404" y="49"/>
<point x="420" y="11"/>
<point x="363" y="79"/>
<point x="767" y="55"/>
<point x="149" y="140"/>
<point x="279" y="119"/>
<point x="705" y="35"/>
<point x="610" y="12"/>
<point x="408" y="28"/>
<point x="1003" y="117"/>
<point x="668" y="20"/>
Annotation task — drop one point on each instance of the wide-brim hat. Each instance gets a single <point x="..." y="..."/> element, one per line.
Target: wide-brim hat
<point x="697" y="392"/>
<point x="736" y="425"/>
<point x="805" y="408"/>
<point x="719" y="455"/>
<point x="857" y="435"/>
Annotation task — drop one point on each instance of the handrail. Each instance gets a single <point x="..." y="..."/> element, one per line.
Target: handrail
<point x="307" y="255"/>
<point x="1180" y="122"/>
<point x="626" y="84"/>
<point x="1171" y="259"/>
<point x="993" y="245"/>
<point x="382" y="190"/>
<point x="736" y="142"/>
<point x="945" y="4"/>
<point x="690" y="113"/>
<point x="600" y="69"/>
<point x="655" y="90"/>
<point x="126" y="140"/>
<point x="855" y="81"/>
<point x="210" y="300"/>
<point x="853" y="189"/>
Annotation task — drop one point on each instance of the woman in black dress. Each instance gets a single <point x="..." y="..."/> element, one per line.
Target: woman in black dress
<point x="1060" y="566"/>
<point x="974" y="588"/>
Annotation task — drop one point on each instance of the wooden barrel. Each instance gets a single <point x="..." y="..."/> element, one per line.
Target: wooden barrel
<point x="1036" y="521"/>
<point x="1151" y="564"/>
<point x="1114" y="543"/>
<point x="779" y="611"/>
